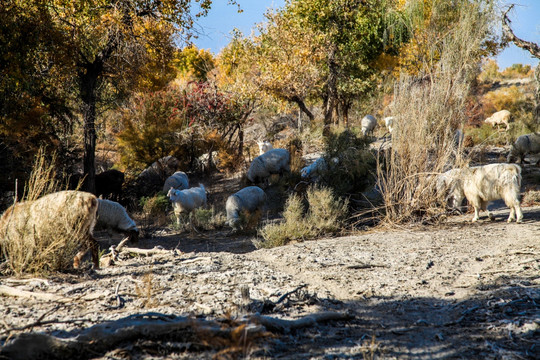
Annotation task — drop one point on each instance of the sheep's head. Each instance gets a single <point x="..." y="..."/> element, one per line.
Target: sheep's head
<point x="173" y="194"/>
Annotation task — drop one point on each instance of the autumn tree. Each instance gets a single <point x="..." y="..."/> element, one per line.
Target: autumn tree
<point x="194" y="64"/>
<point x="104" y="50"/>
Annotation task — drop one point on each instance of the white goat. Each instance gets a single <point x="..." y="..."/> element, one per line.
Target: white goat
<point x="368" y="124"/>
<point x="264" y="146"/>
<point x="316" y="169"/>
<point x="389" y="122"/>
<point x="179" y="180"/>
<point x="525" y="144"/>
<point x="112" y="215"/>
<point x="250" y="199"/>
<point x="482" y="184"/>
<point x="70" y="214"/>
<point x="500" y="118"/>
<point x="275" y="161"/>
<point x="185" y="201"/>
<point x="446" y="184"/>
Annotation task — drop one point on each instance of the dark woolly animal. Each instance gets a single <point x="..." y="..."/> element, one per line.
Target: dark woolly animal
<point x="109" y="184"/>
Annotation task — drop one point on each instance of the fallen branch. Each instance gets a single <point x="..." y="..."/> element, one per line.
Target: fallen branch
<point x="100" y="338"/>
<point x="285" y="326"/>
<point x="11" y="291"/>
<point x="286" y="295"/>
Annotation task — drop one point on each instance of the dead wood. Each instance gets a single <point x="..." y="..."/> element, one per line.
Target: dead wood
<point x="285" y="326"/>
<point x="12" y="291"/>
<point x="101" y="338"/>
<point x="531" y="47"/>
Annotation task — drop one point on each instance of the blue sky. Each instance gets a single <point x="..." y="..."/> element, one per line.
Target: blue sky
<point x="216" y="27"/>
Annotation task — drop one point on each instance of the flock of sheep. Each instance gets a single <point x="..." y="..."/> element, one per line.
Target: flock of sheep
<point x="479" y="185"/>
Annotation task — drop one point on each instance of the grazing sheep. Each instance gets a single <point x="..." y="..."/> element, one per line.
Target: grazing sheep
<point x="250" y="199"/>
<point x="264" y="146"/>
<point x="447" y="184"/>
<point x="525" y="144"/>
<point x="499" y="118"/>
<point x="179" y="181"/>
<point x="275" y="161"/>
<point x="313" y="171"/>
<point x="482" y="184"/>
<point x="389" y="122"/>
<point x="112" y="215"/>
<point x="185" y="201"/>
<point x="69" y="214"/>
<point x="368" y="124"/>
<point x="109" y="184"/>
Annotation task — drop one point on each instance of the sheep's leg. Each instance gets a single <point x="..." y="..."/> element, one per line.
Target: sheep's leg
<point x="486" y="208"/>
<point x="512" y="215"/>
<point x="519" y="214"/>
<point x="476" y="214"/>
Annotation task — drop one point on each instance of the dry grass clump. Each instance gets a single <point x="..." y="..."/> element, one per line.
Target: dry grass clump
<point x="428" y="109"/>
<point x="36" y="237"/>
<point x="325" y="214"/>
<point x="530" y="198"/>
<point x="208" y="219"/>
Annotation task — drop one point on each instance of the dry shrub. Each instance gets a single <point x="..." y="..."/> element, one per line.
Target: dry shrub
<point x="208" y="219"/>
<point x="36" y="238"/>
<point x="531" y="198"/>
<point x="429" y="108"/>
<point x="147" y="291"/>
<point x="325" y="215"/>
<point x="155" y="208"/>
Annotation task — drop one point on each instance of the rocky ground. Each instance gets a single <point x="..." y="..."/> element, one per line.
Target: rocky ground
<point x="458" y="290"/>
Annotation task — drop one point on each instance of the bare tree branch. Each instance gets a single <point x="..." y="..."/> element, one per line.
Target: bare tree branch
<point x="531" y="47"/>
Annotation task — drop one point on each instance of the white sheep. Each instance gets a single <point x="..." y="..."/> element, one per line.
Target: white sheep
<point x="482" y="184"/>
<point x="446" y="184"/>
<point x="275" y="161"/>
<point x="368" y="124"/>
<point x="389" y="123"/>
<point x="264" y="146"/>
<point x="316" y="169"/>
<point x="70" y="214"/>
<point x="499" y="118"/>
<point x="185" y="201"/>
<point x="112" y="215"/>
<point x="250" y="199"/>
<point x="525" y="144"/>
<point x="179" y="180"/>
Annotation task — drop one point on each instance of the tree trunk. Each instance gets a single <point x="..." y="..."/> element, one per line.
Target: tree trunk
<point x="88" y="84"/>
<point x="345" y="107"/>
<point x="331" y="89"/>
<point x="240" y="142"/>
<point x="303" y="107"/>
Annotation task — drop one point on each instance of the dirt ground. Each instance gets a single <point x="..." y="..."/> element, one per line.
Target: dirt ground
<point x="452" y="291"/>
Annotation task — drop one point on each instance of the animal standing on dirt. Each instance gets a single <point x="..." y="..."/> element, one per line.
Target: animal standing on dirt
<point x="275" y="161"/>
<point x="70" y="215"/>
<point x="446" y="184"/>
<point x="179" y="181"/>
<point x="185" y="201"/>
<point x="503" y="117"/>
<point x="249" y="200"/>
<point x="264" y="146"/>
<point x="112" y="215"/>
<point x="482" y="184"/>
<point x="368" y="124"/>
<point x="525" y="144"/>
